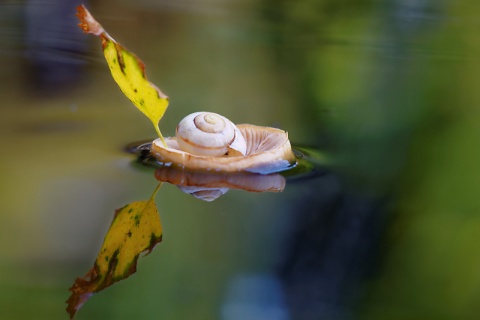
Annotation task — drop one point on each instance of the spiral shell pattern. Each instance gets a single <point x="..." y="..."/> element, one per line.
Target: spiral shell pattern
<point x="209" y="134"/>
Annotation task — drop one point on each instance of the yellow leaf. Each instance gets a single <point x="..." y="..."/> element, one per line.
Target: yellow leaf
<point x="128" y="71"/>
<point x="136" y="228"/>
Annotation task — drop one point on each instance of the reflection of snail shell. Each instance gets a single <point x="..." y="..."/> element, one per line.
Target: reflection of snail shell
<point x="202" y="193"/>
<point x="209" y="134"/>
<point x="208" y="186"/>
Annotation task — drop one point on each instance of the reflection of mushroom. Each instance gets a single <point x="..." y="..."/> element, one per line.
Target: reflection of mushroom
<point x="208" y="186"/>
<point x="208" y="141"/>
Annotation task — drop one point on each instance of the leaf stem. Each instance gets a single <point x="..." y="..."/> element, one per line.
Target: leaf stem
<point x="152" y="197"/>
<point x="160" y="135"/>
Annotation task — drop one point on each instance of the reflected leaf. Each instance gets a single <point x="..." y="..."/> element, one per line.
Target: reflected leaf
<point x="135" y="228"/>
<point x="128" y="71"/>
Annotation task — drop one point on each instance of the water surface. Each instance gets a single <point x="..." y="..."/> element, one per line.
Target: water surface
<point x="386" y="90"/>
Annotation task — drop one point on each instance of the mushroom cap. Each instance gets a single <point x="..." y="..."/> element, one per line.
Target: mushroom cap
<point x="268" y="151"/>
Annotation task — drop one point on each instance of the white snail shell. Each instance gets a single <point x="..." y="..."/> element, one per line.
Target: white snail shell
<point x="255" y="149"/>
<point x="210" y="134"/>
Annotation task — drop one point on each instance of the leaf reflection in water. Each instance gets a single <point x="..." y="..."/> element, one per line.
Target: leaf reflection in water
<point x="136" y="227"/>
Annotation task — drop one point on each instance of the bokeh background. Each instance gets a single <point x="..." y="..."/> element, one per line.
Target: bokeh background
<point x="388" y="91"/>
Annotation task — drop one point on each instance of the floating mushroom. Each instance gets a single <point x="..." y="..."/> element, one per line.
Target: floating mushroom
<point x="211" y="142"/>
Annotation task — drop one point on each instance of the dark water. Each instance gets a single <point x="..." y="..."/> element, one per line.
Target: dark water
<point x="380" y="220"/>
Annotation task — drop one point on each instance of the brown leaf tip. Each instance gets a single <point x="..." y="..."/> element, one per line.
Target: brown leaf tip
<point x="82" y="290"/>
<point x="87" y="22"/>
<point x="76" y="302"/>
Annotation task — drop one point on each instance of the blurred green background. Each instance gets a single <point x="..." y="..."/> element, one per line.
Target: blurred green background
<point x="388" y="89"/>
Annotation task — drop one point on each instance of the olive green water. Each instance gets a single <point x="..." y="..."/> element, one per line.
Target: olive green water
<point x="387" y="91"/>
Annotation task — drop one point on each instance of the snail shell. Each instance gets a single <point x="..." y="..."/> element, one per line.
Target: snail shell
<point x="210" y="134"/>
<point x="264" y="150"/>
